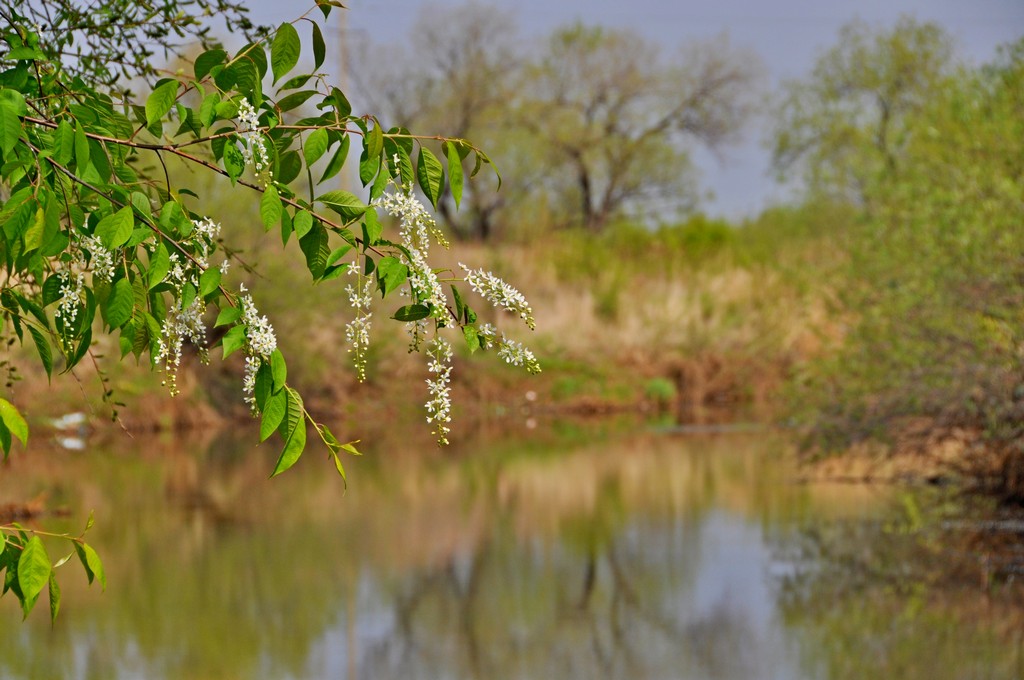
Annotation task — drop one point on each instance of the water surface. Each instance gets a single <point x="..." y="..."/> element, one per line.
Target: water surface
<point x="567" y="553"/>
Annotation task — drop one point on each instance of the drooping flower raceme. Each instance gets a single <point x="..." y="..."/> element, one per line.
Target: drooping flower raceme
<point x="415" y="227"/>
<point x="254" y="149"/>
<point x="439" y="407"/>
<point x="516" y="354"/>
<point x="260" y="344"/>
<point x="357" y="331"/>
<point x="185" y="322"/>
<point x="499" y="293"/>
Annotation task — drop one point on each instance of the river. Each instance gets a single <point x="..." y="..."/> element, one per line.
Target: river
<point x="562" y="551"/>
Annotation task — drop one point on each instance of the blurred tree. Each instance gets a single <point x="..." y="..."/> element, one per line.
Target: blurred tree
<point x="846" y="128"/>
<point x="460" y="76"/>
<point x="614" y="120"/>
<point x="594" y="128"/>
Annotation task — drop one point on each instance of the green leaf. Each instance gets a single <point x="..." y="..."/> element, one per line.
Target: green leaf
<point x="372" y="229"/>
<point x="454" y="171"/>
<point x="115" y="229"/>
<point x="284" y="52"/>
<point x="315" y="146"/>
<point x="43" y="347"/>
<point x="270" y="207"/>
<point x="294" y="433"/>
<point x="10" y="128"/>
<point x="63" y="143"/>
<point x="233" y="340"/>
<point x="345" y="204"/>
<point x="33" y="570"/>
<point x="234" y="162"/>
<point x="273" y="413"/>
<point x="375" y="142"/>
<point x="54" y="598"/>
<point x="81" y="147"/>
<point x="278" y="369"/>
<point x="207" y="60"/>
<point x="160" y="101"/>
<point x="159" y="265"/>
<point x="314" y="246"/>
<point x="319" y="47"/>
<point x="338" y="160"/>
<point x="472" y="338"/>
<point x="391" y="274"/>
<point x="91" y="563"/>
<point x="295" y="100"/>
<point x="227" y="316"/>
<point x="430" y="175"/>
<point x="264" y="387"/>
<point x="302" y="223"/>
<point x="14" y="421"/>
<point x="33" y="236"/>
<point x="117" y="308"/>
<point x="209" y="281"/>
<point x="412" y="313"/>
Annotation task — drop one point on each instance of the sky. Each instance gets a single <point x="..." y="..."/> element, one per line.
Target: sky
<point x="787" y="35"/>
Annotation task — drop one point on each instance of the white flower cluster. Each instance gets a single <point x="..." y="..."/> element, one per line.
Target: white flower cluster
<point x="415" y="226"/>
<point x="487" y="334"/>
<point x="185" y="323"/>
<point x="72" y="284"/>
<point x="102" y="259"/>
<point x="516" y="354"/>
<point x="254" y="150"/>
<point x="180" y="325"/>
<point x="72" y="275"/>
<point x="439" y="406"/>
<point x="357" y="331"/>
<point x="499" y="293"/>
<point x="261" y="344"/>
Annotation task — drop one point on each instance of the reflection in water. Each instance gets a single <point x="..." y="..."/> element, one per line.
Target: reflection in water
<point x="649" y="557"/>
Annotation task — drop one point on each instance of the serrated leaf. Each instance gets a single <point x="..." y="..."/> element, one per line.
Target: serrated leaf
<point x="279" y="370"/>
<point x="273" y="414"/>
<point x="206" y="61"/>
<point x="430" y="175"/>
<point x="118" y="306"/>
<point x="454" y="172"/>
<point x="315" y="247"/>
<point x="337" y="160"/>
<point x="10" y="128"/>
<point x="234" y="340"/>
<point x="412" y="313"/>
<point x="391" y="274"/>
<point x="284" y="51"/>
<point x="209" y="281"/>
<point x="295" y="100"/>
<point x="159" y="265"/>
<point x="319" y="47"/>
<point x="375" y="142"/>
<point x="91" y="563"/>
<point x="294" y="433"/>
<point x="227" y="316"/>
<point x="315" y="146"/>
<point x="114" y="230"/>
<point x="347" y="205"/>
<point x="14" y="421"/>
<point x="472" y="337"/>
<point x="339" y="467"/>
<point x="54" y="598"/>
<point x="33" y="570"/>
<point x="302" y="223"/>
<point x="160" y="101"/>
<point x="270" y="207"/>
<point x="43" y="347"/>
<point x="234" y="162"/>
<point x="63" y="143"/>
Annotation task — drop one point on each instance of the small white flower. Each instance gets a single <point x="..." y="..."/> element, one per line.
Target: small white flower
<point x="516" y="354"/>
